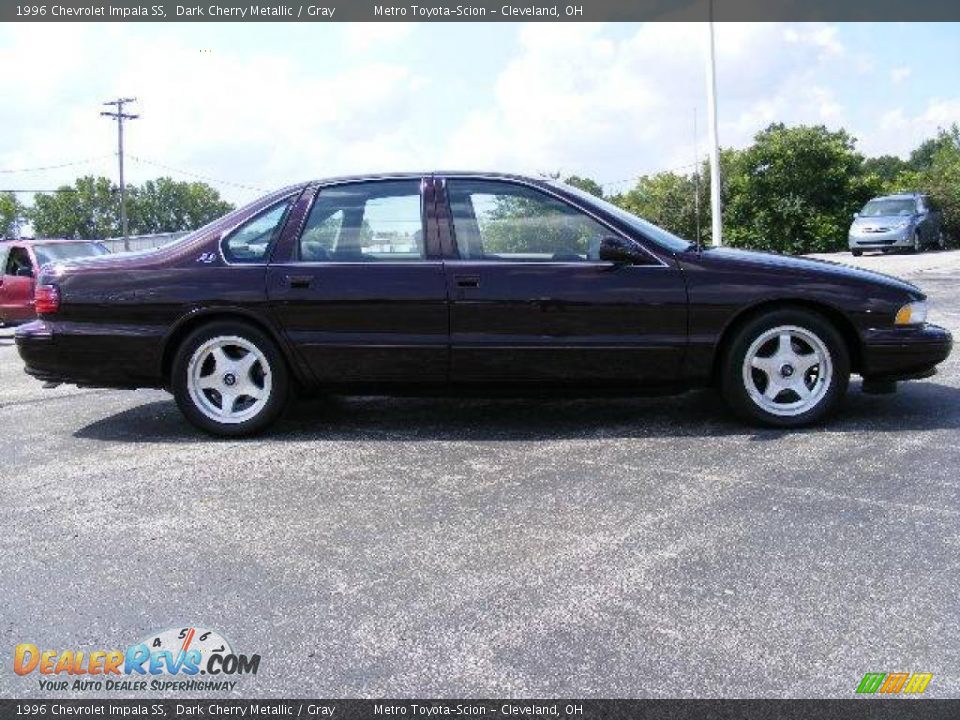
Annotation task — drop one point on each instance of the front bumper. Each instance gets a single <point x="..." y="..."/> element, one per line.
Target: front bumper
<point x="904" y="353"/>
<point x="875" y="241"/>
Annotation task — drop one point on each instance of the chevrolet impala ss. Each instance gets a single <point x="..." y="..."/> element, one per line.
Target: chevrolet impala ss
<point x="468" y="283"/>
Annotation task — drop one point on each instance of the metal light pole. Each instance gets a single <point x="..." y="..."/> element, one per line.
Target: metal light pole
<point x="716" y="222"/>
<point x="120" y="116"/>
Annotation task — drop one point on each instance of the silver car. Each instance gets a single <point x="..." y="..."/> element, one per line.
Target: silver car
<point x="904" y="221"/>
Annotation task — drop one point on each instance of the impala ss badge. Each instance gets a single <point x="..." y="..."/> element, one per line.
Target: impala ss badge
<point x="207" y="257"/>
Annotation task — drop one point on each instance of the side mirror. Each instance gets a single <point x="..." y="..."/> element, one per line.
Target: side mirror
<point x="620" y="250"/>
<point x="25" y="272"/>
<point x="856" y="215"/>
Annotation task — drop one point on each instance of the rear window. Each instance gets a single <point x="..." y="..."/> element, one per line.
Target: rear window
<point x="67" y="251"/>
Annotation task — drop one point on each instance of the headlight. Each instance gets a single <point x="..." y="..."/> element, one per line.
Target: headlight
<point x="914" y="313"/>
<point x="900" y="225"/>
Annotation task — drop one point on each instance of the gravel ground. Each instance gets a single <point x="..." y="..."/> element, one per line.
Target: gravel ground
<point x="404" y="548"/>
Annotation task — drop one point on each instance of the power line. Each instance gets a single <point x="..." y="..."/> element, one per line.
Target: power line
<point x="647" y="174"/>
<point x="41" y="191"/>
<point x="197" y="175"/>
<point x="52" y="167"/>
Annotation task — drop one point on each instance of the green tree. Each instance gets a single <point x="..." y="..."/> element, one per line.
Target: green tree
<point x="939" y="176"/>
<point x="885" y="167"/>
<point x="12" y="215"/>
<point x="586" y="184"/>
<point x="166" y="205"/>
<point x="922" y="157"/>
<point x="90" y="209"/>
<point x="669" y="200"/>
<point x="795" y="189"/>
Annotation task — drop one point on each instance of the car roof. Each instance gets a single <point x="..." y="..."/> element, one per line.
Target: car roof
<point x="900" y="196"/>
<point x="42" y="241"/>
<point x="408" y="175"/>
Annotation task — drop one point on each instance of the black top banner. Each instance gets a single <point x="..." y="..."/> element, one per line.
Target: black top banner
<point x="478" y="10"/>
<point x="511" y="709"/>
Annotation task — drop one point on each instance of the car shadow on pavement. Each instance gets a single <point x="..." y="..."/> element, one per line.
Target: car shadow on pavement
<point x="916" y="406"/>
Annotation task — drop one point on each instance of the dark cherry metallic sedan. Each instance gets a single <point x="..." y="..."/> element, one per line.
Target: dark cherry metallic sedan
<point x="467" y="283"/>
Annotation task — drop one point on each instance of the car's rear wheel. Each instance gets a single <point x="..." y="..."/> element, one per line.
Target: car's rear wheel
<point x="230" y="379"/>
<point x="786" y="368"/>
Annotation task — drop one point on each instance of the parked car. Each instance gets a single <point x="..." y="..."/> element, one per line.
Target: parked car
<point x="468" y="283"/>
<point x="20" y="260"/>
<point x="895" y="222"/>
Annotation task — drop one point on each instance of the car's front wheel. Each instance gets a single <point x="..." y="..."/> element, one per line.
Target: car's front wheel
<point x="229" y="379"/>
<point x="786" y="368"/>
<point x="856" y="253"/>
<point x="917" y="242"/>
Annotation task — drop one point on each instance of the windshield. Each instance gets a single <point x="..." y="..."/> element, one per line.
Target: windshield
<point x="886" y="208"/>
<point x="655" y="233"/>
<point x="67" y="251"/>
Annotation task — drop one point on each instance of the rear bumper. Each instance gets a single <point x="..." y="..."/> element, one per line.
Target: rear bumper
<point x="14" y="315"/>
<point x="101" y="357"/>
<point x="905" y="353"/>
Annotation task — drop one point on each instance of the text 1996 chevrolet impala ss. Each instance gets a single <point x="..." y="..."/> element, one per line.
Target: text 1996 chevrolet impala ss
<point x="471" y="283"/>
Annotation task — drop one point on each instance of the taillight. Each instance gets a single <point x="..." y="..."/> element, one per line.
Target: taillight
<point x="46" y="299"/>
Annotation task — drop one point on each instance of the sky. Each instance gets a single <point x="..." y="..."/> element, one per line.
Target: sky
<point x="252" y="107"/>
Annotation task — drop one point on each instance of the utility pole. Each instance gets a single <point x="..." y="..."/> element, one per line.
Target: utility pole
<point x="717" y="225"/>
<point x="120" y="116"/>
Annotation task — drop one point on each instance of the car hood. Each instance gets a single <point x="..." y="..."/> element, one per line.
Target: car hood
<point x="793" y="264"/>
<point x="881" y="220"/>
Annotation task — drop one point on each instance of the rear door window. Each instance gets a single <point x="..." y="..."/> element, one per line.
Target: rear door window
<point x="376" y="221"/>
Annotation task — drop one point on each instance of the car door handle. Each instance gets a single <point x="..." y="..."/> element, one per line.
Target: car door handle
<point x="467" y="281"/>
<point x="299" y="282"/>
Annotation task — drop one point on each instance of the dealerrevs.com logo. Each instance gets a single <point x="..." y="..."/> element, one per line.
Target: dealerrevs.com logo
<point x="182" y="659"/>
<point x="894" y="683"/>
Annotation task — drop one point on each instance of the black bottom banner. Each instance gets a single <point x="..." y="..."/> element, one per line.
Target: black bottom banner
<point x="861" y="709"/>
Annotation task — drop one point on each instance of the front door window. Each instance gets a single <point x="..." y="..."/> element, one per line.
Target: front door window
<point x="501" y="221"/>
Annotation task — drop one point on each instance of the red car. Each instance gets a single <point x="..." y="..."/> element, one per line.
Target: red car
<point x="20" y="262"/>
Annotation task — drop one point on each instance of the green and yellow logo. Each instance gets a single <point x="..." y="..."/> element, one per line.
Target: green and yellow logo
<point x="894" y="683"/>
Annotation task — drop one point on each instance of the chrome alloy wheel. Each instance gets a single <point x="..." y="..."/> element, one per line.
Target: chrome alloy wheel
<point x="787" y="370"/>
<point x="229" y="379"/>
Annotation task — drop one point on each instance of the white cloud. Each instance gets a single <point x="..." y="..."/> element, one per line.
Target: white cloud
<point x="257" y="118"/>
<point x="899" y="74"/>
<point x="899" y="131"/>
<point x="607" y="101"/>
<point x="578" y="101"/>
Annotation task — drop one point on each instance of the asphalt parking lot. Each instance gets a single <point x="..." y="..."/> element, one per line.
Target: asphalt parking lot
<point x="398" y="548"/>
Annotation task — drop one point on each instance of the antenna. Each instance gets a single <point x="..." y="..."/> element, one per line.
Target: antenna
<point x="696" y="179"/>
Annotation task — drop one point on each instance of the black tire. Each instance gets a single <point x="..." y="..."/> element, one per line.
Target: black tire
<point x="279" y="385"/>
<point x="856" y="253"/>
<point x="733" y="385"/>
